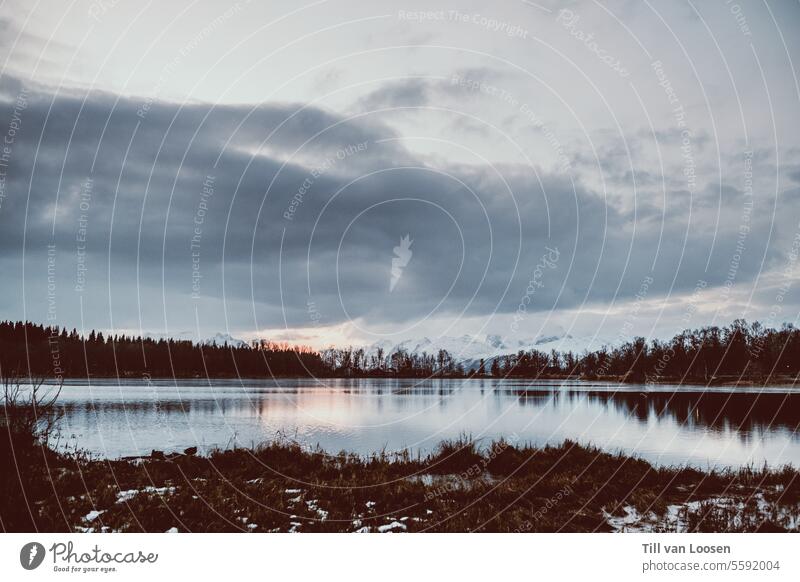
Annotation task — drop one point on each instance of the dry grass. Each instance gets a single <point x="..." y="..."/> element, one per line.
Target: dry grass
<point x="462" y="487"/>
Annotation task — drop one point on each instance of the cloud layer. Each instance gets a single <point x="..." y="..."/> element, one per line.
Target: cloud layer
<point x="489" y="152"/>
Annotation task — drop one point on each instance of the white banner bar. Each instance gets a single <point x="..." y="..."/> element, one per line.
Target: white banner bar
<point x="388" y="558"/>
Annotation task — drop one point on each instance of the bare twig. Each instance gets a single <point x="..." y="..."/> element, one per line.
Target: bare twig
<point x="30" y="413"/>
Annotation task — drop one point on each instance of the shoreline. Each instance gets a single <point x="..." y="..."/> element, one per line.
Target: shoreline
<point x="507" y="487"/>
<point x="752" y="382"/>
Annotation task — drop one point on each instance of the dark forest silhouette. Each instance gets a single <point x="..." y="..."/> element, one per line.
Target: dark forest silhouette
<point x="705" y="354"/>
<point x="27" y="349"/>
<point x="708" y="354"/>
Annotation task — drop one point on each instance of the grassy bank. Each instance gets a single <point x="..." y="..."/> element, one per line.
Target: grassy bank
<point x="500" y="488"/>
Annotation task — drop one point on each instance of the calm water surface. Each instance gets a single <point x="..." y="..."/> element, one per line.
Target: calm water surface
<point x="669" y="426"/>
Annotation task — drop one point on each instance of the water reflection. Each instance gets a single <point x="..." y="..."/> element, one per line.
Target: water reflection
<point x="671" y="425"/>
<point x="708" y="410"/>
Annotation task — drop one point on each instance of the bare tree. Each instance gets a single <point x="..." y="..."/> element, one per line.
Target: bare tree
<point x="29" y="409"/>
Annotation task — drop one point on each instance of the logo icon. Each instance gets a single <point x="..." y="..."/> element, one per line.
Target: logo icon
<point x="402" y="255"/>
<point x="31" y="555"/>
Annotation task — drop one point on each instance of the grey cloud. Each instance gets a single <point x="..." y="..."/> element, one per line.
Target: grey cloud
<point x="148" y="182"/>
<point x="400" y="93"/>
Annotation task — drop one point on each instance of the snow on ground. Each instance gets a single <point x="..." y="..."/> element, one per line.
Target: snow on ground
<point x="94" y="514"/>
<point x="129" y="494"/>
<point x="391" y="527"/>
<point x="674" y="518"/>
<point x="313" y="505"/>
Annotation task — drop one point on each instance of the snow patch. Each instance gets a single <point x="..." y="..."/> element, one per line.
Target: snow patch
<point x="94" y="514"/>
<point x="391" y="527"/>
<point x="129" y="494"/>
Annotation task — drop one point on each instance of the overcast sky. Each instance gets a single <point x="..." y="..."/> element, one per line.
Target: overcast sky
<point x="252" y="168"/>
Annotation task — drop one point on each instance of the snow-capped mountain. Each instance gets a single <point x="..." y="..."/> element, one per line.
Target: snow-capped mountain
<point x="460" y="347"/>
<point x="469" y="348"/>
<point x="218" y="338"/>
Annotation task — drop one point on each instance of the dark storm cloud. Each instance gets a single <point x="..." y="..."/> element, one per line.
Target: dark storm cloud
<point x="278" y="205"/>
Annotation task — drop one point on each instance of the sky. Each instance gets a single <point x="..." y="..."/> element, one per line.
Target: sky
<point x="339" y="172"/>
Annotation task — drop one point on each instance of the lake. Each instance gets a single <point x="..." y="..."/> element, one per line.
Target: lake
<point x="667" y="425"/>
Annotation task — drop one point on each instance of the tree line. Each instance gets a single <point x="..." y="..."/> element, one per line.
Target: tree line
<point x="704" y="354"/>
<point x="350" y="361"/>
<point x="740" y="350"/>
<point x="31" y="350"/>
